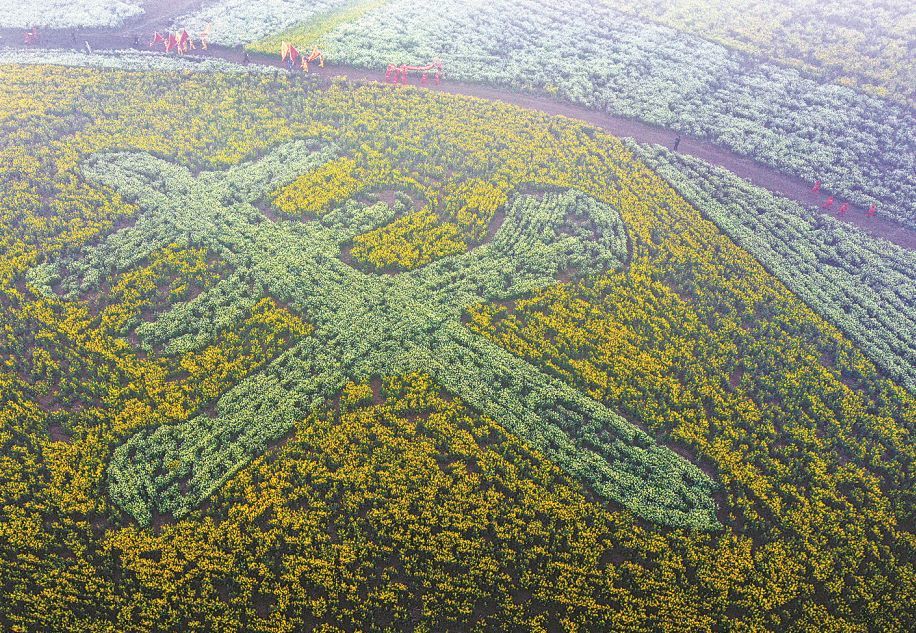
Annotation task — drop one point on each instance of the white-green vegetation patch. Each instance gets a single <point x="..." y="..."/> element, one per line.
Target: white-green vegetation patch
<point x="864" y="285"/>
<point x="365" y="325"/>
<point x="581" y="51"/>
<point x="63" y="14"/>
<point x="123" y="60"/>
<point x="235" y="22"/>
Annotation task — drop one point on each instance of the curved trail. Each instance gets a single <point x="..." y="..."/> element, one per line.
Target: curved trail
<point x="769" y="178"/>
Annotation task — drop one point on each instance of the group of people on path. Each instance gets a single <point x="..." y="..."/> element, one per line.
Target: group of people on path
<point x="828" y="203"/>
<point x="844" y="208"/>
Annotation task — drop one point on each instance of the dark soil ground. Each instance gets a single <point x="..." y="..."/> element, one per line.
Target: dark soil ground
<point x="160" y="13"/>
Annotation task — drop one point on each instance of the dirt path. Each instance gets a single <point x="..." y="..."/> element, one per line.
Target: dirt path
<point x="761" y="175"/>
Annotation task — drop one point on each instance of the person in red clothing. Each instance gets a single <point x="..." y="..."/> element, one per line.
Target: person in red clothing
<point x="844" y="208"/>
<point x="828" y="204"/>
<point x="817" y="186"/>
<point x="872" y="210"/>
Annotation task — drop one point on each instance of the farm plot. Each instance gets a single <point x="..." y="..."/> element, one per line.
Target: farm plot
<point x="858" y="145"/>
<point x="217" y="290"/>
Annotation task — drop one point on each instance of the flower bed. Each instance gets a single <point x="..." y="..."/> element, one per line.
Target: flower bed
<point x="180" y="319"/>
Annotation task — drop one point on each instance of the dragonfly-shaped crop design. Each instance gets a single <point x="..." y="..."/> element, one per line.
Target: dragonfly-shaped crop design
<point x="365" y="325"/>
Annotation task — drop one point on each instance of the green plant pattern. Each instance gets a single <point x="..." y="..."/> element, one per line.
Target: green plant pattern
<point x="366" y="325"/>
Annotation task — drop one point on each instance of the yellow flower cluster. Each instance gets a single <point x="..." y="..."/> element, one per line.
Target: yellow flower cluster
<point x="409" y="242"/>
<point x="458" y="214"/>
<point x="365" y="504"/>
<point x="317" y="191"/>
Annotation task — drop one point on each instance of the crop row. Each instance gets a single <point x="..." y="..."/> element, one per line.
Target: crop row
<point x="123" y="60"/>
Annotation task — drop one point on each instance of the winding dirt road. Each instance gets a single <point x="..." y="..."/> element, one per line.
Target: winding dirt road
<point x="761" y="175"/>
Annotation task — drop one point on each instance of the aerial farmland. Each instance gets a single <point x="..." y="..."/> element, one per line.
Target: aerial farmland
<point x="517" y="315"/>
